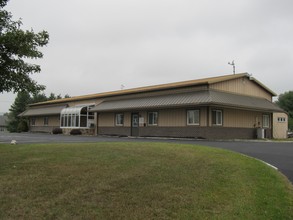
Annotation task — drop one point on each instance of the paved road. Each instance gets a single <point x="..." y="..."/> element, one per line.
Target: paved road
<point x="278" y="154"/>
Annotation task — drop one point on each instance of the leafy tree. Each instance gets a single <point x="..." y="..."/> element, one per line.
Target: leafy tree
<point x="16" y="47"/>
<point x="38" y="97"/>
<point x="285" y="101"/>
<point x="52" y="96"/>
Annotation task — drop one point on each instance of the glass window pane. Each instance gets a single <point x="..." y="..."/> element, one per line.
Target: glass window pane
<point x="214" y="118"/>
<point x="190" y="119"/>
<point x="83" y="121"/>
<point x="77" y="121"/>
<point x="217" y="118"/>
<point x="153" y="118"/>
<point x="266" y="121"/>
<point x="119" y="119"/>
<point x="72" y="124"/>
<point x="193" y="117"/>
<point x="69" y="121"/>
<point x="196" y="117"/>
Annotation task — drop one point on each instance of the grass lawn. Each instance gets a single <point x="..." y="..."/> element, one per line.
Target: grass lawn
<point x="138" y="181"/>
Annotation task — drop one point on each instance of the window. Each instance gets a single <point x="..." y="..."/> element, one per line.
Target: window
<point x="281" y="119"/>
<point x="153" y="118"/>
<point x="217" y="117"/>
<point x="46" y="121"/>
<point x="76" y="117"/>
<point x="33" y="121"/>
<point x="265" y="121"/>
<point x="119" y="119"/>
<point x="193" y="117"/>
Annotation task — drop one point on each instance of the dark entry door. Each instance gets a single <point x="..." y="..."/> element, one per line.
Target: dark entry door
<point x="134" y="124"/>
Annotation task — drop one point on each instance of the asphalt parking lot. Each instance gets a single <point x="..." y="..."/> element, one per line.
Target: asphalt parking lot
<point x="278" y="154"/>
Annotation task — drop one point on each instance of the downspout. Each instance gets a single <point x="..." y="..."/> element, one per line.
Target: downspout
<point x="97" y="123"/>
<point x="272" y="125"/>
<point x="208" y="109"/>
<point x="208" y="116"/>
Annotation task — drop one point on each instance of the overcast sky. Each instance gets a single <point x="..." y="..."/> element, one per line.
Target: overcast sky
<point x="98" y="45"/>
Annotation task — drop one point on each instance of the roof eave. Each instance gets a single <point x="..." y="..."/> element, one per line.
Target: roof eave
<point x="262" y="85"/>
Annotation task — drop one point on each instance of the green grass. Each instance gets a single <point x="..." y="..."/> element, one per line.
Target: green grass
<point x="138" y="181"/>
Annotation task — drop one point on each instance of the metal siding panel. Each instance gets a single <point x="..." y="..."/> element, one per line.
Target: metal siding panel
<point x="54" y="121"/>
<point x="242" y="86"/>
<point x="106" y="119"/>
<point x="240" y="118"/>
<point x="203" y="116"/>
<point x="172" y="117"/>
<point x="127" y="119"/>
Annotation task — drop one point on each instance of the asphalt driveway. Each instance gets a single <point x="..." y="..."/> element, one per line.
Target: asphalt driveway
<point x="278" y="154"/>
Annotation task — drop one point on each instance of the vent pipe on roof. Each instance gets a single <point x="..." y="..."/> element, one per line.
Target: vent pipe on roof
<point x="232" y="64"/>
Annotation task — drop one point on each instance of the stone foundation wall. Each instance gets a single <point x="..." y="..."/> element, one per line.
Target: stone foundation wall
<point x="84" y="131"/>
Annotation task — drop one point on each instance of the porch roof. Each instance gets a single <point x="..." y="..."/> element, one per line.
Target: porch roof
<point x="206" y="97"/>
<point x="54" y="110"/>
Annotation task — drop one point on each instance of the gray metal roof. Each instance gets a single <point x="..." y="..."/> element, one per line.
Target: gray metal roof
<point x="207" y="97"/>
<point x="54" y="110"/>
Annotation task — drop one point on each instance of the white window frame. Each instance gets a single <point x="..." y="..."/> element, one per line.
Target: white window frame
<point x="72" y="117"/>
<point x="119" y="119"/>
<point x="194" y="118"/>
<point x="265" y="121"/>
<point x="219" y="117"/>
<point x="152" y="118"/>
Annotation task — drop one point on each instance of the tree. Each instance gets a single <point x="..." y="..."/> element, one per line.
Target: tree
<point x="285" y="101"/>
<point x="38" y="97"/>
<point x="16" y="47"/>
<point x="15" y="123"/>
<point x="52" y="96"/>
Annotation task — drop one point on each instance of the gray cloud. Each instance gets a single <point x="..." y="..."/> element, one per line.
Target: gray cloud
<point x="96" y="46"/>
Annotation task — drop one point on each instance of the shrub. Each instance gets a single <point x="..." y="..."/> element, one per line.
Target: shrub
<point x="22" y="126"/>
<point x="75" y="132"/>
<point x="57" y="131"/>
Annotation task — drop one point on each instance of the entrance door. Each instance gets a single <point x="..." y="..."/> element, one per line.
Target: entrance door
<point x="134" y="124"/>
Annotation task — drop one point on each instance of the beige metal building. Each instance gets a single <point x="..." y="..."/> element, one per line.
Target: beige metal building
<point x="229" y="106"/>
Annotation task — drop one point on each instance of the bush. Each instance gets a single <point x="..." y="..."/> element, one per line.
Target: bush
<point x="57" y="131"/>
<point x="75" y="132"/>
<point x="12" y="125"/>
<point x="22" y="126"/>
